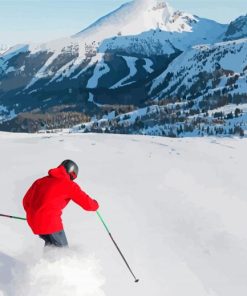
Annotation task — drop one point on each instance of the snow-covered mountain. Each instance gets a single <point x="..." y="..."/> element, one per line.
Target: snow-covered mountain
<point x="122" y="59"/>
<point x="205" y="69"/>
<point x="139" y="16"/>
<point x="138" y="24"/>
<point x="3" y="48"/>
<point x="202" y="92"/>
<point x="237" y="29"/>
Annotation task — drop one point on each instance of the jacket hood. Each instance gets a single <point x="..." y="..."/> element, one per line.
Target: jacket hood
<point x="58" y="172"/>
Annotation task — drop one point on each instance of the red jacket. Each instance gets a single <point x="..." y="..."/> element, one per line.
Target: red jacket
<point x="48" y="196"/>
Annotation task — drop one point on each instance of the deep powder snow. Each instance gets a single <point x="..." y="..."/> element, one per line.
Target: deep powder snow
<point x="176" y="207"/>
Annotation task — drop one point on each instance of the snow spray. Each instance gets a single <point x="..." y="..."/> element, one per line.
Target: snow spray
<point x="62" y="272"/>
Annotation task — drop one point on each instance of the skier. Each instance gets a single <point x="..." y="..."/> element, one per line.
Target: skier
<point x="48" y="196"/>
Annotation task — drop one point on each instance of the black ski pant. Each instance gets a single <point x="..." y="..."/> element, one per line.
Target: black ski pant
<point x="56" y="239"/>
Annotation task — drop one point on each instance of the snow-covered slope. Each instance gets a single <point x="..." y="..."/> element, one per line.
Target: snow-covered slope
<point x="206" y="69"/>
<point x="177" y="209"/>
<point x="237" y="29"/>
<point x="158" y="42"/>
<point x="139" y="16"/>
<point x="3" y="48"/>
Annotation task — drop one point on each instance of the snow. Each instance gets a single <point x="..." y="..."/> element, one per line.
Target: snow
<point x="68" y="69"/>
<point x="63" y="268"/>
<point x="14" y="50"/>
<point x="65" y="71"/>
<point x="156" y="41"/>
<point x="126" y="118"/>
<point x="3" y="108"/>
<point x="134" y="17"/>
<point x="10" y="53"/>
<point x="42" y="73"/>
<point x="131" y="63"/>
<point x="110" y="115"/>
<point x="143" y="27"/>
<point x="10" y="69"/>
<point x="176" y="207"/>
<point x="237" y="51"/>
<point x="237" y="29"/>
<point x="148" y="65"/>
<point x="92" y="62"/>
<point x="229" y="108"/>
<point x="147" y="44"/>
<point x="147" y="26"/>
<point x="91" y="99"/>
<point x="242" y="85"/>
<point x="6" y="114"/>
<point x="100" y="70"/>
<point x="3" y="48"/>
<point x="175" y="65"/>
<point x="56" y="45"/>
<point x="229" y="55"/>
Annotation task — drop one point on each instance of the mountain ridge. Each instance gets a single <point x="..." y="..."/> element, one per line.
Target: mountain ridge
<point x="98" y="67"/>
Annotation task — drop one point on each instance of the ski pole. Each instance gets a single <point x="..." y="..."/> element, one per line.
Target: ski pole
<point x="14" y="217"/>
<point x="107" y="229"/>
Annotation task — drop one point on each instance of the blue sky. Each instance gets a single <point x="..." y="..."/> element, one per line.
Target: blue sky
<point x="42" y="20"/>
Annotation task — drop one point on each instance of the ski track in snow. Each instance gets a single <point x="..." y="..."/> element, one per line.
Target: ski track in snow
<point x="176" y="207"/>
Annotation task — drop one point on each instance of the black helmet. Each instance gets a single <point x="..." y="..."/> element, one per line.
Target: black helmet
<point x="71" y="168"/>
